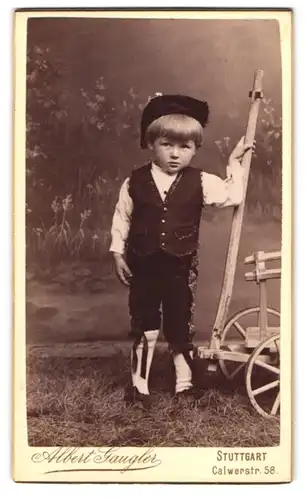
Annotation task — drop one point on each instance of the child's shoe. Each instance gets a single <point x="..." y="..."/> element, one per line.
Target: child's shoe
<point x="190" y="395"/>
<point x="133" y="396"/>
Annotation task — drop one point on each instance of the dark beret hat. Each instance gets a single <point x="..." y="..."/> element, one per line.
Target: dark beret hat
<point x="173" y="104"/>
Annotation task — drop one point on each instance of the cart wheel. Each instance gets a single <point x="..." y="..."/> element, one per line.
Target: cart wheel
<point x="262" y="377"/>
<point x="235" y="331"/>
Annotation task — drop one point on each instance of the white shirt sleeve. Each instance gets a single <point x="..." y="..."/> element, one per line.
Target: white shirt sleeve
<point x="224" y="193"/>
<point x="121" y="219"/>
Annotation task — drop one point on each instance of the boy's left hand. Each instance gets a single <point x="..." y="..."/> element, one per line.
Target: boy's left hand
<point x="240" y="150"/>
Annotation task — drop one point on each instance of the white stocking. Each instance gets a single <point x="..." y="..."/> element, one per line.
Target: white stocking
<point x="183" y="373"/>
<point x="137" y="381"/>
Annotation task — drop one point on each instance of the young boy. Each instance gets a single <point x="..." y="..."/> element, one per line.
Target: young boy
<point x="155" y="234"/>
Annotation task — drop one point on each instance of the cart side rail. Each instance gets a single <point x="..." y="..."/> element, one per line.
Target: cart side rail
<point x="260" y="273"/>
<point x="262" y="257"/>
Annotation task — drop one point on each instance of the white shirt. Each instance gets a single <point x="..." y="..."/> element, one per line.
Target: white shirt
<point x="216" y="191"/>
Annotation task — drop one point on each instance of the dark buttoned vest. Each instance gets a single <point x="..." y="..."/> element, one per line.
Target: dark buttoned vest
<point x="171" y="225"/>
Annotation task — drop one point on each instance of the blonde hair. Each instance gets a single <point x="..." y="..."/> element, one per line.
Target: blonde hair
<point x="177" y="127"/>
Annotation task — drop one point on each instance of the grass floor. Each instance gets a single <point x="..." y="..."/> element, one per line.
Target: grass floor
<point x="79" y="402"/>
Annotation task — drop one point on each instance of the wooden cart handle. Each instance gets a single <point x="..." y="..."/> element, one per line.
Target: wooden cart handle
<point x="233" y="246"/>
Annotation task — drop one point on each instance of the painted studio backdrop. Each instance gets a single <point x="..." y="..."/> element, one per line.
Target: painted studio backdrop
<point x="87" y="82"/>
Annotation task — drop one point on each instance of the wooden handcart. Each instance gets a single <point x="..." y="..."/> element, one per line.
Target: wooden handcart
<point x="250" y="339"/>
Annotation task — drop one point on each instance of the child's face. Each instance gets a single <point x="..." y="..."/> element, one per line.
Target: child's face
<point x="172" y="155"/>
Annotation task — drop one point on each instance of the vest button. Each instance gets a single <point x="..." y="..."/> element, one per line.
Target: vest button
<point x="162" y="234"/>
<point x="163" y="220"/>
<point x="165" y="209"/>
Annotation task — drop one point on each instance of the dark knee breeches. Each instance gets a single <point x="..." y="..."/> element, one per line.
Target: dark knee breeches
<point x="163" y="283"/>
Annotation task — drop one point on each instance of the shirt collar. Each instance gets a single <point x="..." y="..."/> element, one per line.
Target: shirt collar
<point x="155" y="168"/>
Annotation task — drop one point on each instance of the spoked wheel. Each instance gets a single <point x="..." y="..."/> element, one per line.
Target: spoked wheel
<point x="234" y="336"/>
<point x="262" y="377"/>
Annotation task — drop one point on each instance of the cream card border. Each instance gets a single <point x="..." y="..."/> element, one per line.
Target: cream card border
<point x="177" y="464"/>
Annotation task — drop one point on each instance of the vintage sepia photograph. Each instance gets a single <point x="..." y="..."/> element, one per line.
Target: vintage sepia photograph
<point x="153" y="176"/>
